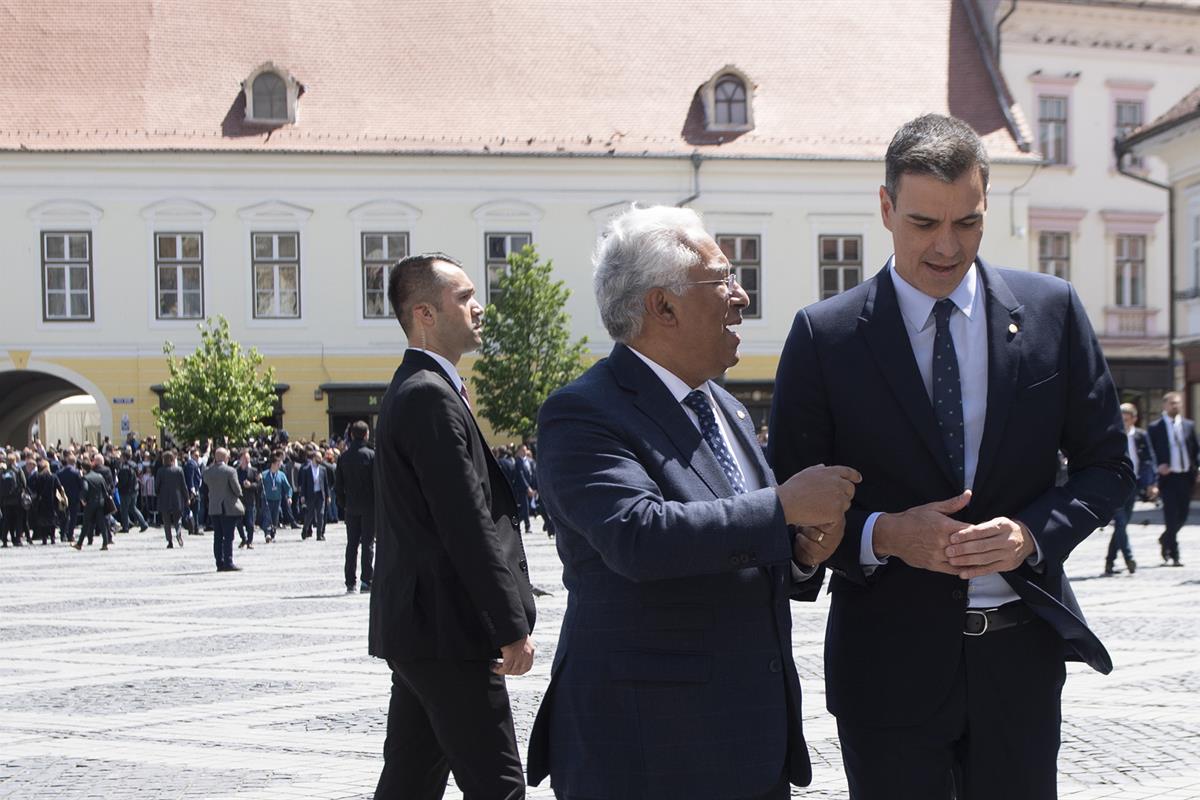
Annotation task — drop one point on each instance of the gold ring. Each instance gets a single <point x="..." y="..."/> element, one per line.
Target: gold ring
<point x="820" y="537"/>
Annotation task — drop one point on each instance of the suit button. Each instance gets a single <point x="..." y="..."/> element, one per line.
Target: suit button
<point x="957" y="594"/>
<point x="776" y="665"/>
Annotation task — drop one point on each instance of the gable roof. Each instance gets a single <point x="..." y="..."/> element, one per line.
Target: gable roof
<point x="833" y="78"/>
<point x="1184" y="111"/>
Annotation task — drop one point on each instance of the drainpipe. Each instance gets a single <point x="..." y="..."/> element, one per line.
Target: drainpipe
<point x="1012" y="9"/>
<point x="696" y="161"/>
<point x="1120" y="149"/>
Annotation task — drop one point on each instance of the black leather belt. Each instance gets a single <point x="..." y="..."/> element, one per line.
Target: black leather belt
<point x="987" y="620"/>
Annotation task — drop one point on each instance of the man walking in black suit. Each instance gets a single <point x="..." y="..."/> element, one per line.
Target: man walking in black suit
<point x="451" y="591"/>
<point x="951" y="385"/>
<point x="314" y="486"/>
<point x="1174" y="440"/>
<point x="171" y="489"/>
<point x="1145" y="469"/>
<point x="354" y="488"/>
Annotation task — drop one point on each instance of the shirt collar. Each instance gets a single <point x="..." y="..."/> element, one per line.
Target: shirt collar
<point x="917" y="307"/>
<point x="446" y="366"/>
<point x="673" y="382"/>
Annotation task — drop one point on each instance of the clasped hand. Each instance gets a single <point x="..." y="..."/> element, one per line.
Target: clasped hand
<point x="928" y="538"/>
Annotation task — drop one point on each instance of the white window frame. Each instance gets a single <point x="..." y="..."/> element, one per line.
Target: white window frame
<point x="274" y="216"/>
<point x="1130" y="273"/>
<point x="740" y="263"/>
<point x="1057" y="86"/>
<point x="748" y="223"/>
<point x="1052" y="260"/>
<point x="708" y="97"/>
<point x="379" y="216"/>
<point x="851" y="224"/>
<point x="275" y="262"/>
<point x="69" y="216"/>
<point x="383" y="264"/>
<point x="490" y="262"/>
<point x="502" y="217"/>
<point x="842" y="264"/>
<point x="69" y="264"/>
<point x="1128" y="91"/>
<point x="179" y="263"/>
<point x="175" y="215"/>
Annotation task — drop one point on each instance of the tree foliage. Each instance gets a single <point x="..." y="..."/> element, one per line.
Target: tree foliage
<point x="527" y="351"/>
<point x="217" y="391"/>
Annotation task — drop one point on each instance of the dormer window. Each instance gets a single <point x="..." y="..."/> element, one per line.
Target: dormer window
<point x="731" y="101"/>
<point x="727" y="101"/>
<point x="271" y="95"/>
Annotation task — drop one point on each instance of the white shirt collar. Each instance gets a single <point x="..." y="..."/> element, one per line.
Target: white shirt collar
<point x="446" y="366"/>
<point x="917" y="307"/>
<point x="675" y="385"/>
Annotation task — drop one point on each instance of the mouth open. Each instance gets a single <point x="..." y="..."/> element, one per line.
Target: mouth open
<point x="940" y="269"/>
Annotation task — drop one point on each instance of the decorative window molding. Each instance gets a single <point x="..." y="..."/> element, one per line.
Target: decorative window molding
<point x="728" y="98"/>
<point x="507" y="224"/>
<point x="384" y="213"/>
<point x="271" y="100"/>
<point x="65" y="214"/>
<point x="1052" y="102"/>
<point x="177" y="212"/>
<point x="1129" y="104"/>
<point x="1056" y="219"/>
<point x="275" y="212"/>
<point x="374" y="219"/>
<point x="1130" y="223"/>
<point x="172" y="217"/>
<point x="508" y="212"/>
<point x="280" y="227"/>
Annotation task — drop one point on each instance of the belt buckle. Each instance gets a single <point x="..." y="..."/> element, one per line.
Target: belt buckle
<point x="983" y="614"/>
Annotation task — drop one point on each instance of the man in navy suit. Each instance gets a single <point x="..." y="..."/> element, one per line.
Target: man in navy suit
<point x="1145" y="468"/>
<point x="315" y="487"/>
<point x="673" y="676"/>
<point x="1174" y="441"/>
<point x="951" y="385"/>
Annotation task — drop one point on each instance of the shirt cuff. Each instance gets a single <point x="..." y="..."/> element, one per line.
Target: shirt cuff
<point x="1034" y="560"/>
<point x="866" y="548"/>
<point x="801" y="573"/>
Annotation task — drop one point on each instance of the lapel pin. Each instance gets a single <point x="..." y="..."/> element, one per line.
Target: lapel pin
<point x="1012" y="327"/>
<point x="741" y="414"/>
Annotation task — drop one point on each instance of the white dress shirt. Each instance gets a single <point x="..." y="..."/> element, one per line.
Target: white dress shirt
<point x="968" y="328"/>
<point x="1131" y="444"/>
<point x="318" y="486"/>
<point x="1179" y="459"/>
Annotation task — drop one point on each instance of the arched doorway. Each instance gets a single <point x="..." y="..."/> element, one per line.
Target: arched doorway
<point x="26" y="393"/>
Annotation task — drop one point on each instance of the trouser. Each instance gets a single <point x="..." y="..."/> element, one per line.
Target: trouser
<point x="223" y="539"/>
<point x="10" y="526"/>
<point x="245" y="524"/>
<point x="523" y="511"/>
<point x="129" y="507"/>
<point x="270" y="516"/>
<point x="1176" y="492"/>
<point x="43" y="530"/>
<point x="995" y="736"/>
<point x="331" y="510"/>
<point x="360" y="530"/>
<point x="449" y="716"/>
<point x="95" y="521"/>
<point x="285" y="512"/>
<point x="172" y="525"/>
<point x="70" y="520"/>
<point x="314" y="516"/>
<point x="1120" y="535"/>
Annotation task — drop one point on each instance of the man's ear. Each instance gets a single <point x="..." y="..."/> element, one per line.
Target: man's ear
<point x="660" y="306"/>
<point x="886" y="207"/>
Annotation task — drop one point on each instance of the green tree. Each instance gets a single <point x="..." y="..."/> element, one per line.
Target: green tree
<point x="216" y="391"/>
<point x="527" y="351"/>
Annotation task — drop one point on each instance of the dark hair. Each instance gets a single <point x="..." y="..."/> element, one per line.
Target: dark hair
<point x="359" y="430"/>
<point x="944" y="147"/>
<point x="168" y="457"/>
<point x="413" y="280"/>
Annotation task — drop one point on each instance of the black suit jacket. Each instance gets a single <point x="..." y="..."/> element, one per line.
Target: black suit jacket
<point x="171" y="490"/>
<point x="1162" y="447"/>
<point x="308" y="487"/>
<point x="354" y="481"/>
<point x="451" y="580"/>
<point x="848" y="391"/>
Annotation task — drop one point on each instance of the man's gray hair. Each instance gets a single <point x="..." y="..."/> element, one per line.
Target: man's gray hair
<point x="944" y="147"/>
<point x="643" y="249"/>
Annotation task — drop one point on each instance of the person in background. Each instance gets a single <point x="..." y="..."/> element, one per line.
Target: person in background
<point x="96" y="499"/>
<point x="277" y="494"/>
<point x="72" y="483"/>
<point x="224" y="507"/>
<point x="1173" y="438"/>
<point x="354" y="488"/>
<point x="251" y="483"/>
<point x="172" y="492"/>
<point x="1145" y="469"/>
<point x="45" y="487"/>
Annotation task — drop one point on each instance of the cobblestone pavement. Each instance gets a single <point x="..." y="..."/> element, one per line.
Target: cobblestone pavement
<point x="142" y="673"/>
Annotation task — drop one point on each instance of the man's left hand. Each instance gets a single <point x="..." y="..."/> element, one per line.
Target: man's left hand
<point x="998" y="545"/>
<point x="815" y="543"/>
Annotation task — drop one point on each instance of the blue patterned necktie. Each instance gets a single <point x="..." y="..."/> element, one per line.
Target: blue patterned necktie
<point x="698" y="401"/>
<point x="947" y="390"/>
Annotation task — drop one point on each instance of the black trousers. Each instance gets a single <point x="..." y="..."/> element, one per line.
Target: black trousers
<point x="1176" y="491"/>
<point x="360" y="531"/>
<point x="995" y="736"/>
<point x="449" y="716"/>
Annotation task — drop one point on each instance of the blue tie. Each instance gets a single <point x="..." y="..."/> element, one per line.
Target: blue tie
<point x="698" y="401"/>
<point x="947" y="390"/>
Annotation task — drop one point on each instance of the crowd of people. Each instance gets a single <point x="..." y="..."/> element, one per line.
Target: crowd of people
<point x="78" y="493"/>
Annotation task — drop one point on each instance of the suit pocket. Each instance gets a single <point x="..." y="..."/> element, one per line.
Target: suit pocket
<point x="1040" y="382"/>
<point x="651" y="667"/>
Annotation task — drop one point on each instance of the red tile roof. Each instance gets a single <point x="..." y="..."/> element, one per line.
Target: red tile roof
<point x="834" y="78"/>
<point x="1185" y="110"/>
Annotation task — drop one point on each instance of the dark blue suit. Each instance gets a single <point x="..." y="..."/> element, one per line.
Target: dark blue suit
<point x="1175" y="488"/>
<point x="673" y="676"/>
<point x="848" y="391"/>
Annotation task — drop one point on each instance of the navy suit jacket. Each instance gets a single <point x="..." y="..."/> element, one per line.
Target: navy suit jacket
<point x="308" y="488"/>
<point x="848" y="391"/>
<point x="673" y="675"/>
<point x="1162" y="447"/>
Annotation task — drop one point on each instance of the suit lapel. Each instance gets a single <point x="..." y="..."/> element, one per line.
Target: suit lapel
<point x="883" y="328"/>
<point x="738" y="421"/>
<point x="1005" y="337"/>
<point x="654" y="400"/>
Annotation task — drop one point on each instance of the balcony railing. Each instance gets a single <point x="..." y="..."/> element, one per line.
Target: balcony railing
<point x="1130" y="321"/>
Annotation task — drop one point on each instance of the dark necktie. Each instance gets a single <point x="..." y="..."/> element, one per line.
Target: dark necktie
<point x="698" y="401"/>
<point x="947" y="391"/>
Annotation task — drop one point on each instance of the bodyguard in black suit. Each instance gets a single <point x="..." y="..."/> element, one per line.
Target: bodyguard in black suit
<point x="314" y="485"/>
<point x="951" y="385"/>
<point x="1145" y="468"/>
<point x="354" y="488"/>
<point x="451" y="591"/>
<point x="1174" y="440"/>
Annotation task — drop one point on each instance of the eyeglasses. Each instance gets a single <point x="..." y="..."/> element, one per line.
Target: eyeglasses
<point x="729" y="280"/>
